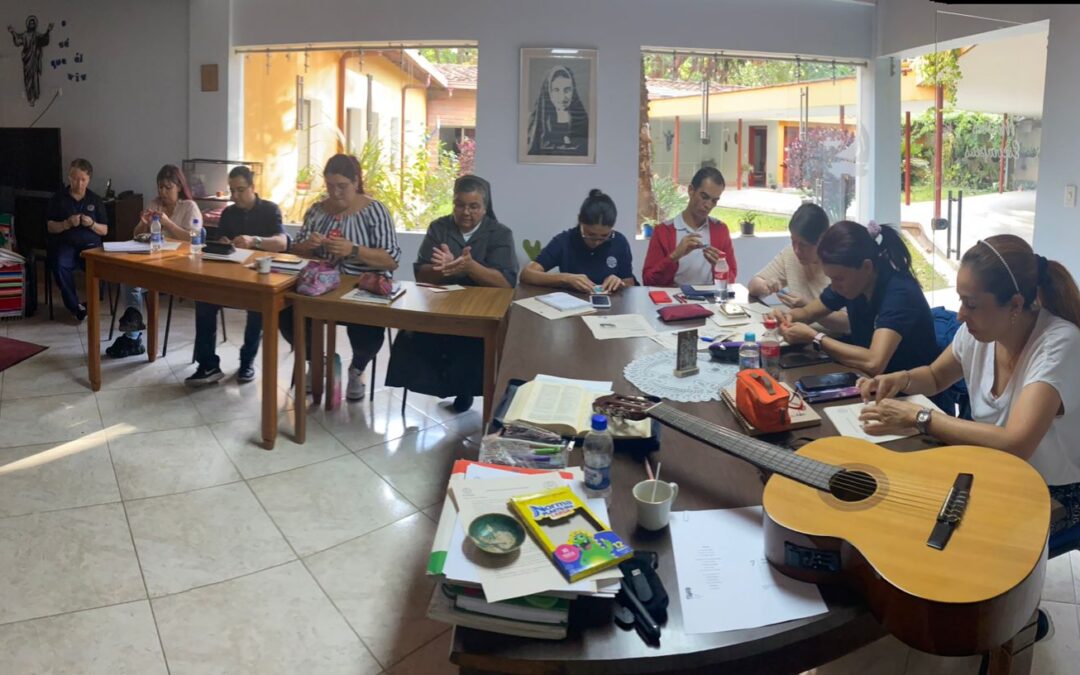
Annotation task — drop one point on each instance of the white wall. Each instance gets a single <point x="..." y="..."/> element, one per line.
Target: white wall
<point x="538" y="201"/>
<point x="130" y="116"/>
<point x="1056" y="227"/>
<point x="905" y="27"/>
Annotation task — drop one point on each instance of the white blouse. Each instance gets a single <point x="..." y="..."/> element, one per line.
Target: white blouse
<point x="1052" y="355"/>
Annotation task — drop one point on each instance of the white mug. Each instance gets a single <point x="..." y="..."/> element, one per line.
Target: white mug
<point x="654" y="513"/>
<point x="263" y="265"/>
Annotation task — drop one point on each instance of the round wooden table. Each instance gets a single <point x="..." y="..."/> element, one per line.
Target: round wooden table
<point x="707" y="478"/>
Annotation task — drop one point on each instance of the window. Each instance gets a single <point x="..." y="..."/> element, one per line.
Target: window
<point x="781" y="130"/>
<point x="386" y="104"/>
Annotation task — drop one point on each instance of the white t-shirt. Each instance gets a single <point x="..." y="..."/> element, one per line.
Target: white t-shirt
<point x="1052" y="355"/>
<point x="808" y="282"/>
<point x="693" y="267"/>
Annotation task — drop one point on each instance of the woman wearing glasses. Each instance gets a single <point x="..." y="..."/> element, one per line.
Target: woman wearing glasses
<point x="468" y="247"/>
<point x="354" y="232"/>
<point x="589" y="255"/>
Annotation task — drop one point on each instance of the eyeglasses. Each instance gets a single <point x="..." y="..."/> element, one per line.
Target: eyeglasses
<point x="470" y="208"/>
<point x="597" y="238"/>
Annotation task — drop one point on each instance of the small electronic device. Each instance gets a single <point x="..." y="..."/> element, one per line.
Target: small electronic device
<point x="732" y="309"/>
<point x="831" y="381"/>
<point x="600" y="301"/>
<point x="660" y="297"/>
<point x="803" y="358"/>
<point x="218" y="248"/>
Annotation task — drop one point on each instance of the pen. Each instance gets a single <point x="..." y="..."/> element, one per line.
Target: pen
<point x="546" y="451"/>
<point x="537" y="458"/>
<point x="646" y="622"/>
<point x="706" y="339"/>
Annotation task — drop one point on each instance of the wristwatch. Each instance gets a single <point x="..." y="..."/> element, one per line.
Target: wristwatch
<point x="355" y="250"/>
<point x="258" y="243"/>
<point x="817" y="340"/>
<point x="922" y="420"/>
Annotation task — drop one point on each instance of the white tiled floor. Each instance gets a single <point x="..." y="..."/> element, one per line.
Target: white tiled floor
<point x="145" y="531"/>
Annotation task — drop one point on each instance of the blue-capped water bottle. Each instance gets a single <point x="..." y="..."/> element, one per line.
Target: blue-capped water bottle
<point x="157" y="240"/>
<point x="599" y="450"/>
<point x="198" y="237"/>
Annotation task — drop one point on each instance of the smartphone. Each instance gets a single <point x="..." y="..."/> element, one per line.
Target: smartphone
<point x="830" y="381"/>
<point x="803" y="358"/>
<point x="600" y="301"/>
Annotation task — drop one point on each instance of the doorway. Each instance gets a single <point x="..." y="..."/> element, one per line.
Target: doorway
<point x="759" y="142"/>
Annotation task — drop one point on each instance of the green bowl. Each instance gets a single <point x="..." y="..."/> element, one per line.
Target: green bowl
<point x="496" y="533"/>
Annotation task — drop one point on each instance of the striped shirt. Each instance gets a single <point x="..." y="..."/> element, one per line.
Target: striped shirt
<point x="370" y="227"/>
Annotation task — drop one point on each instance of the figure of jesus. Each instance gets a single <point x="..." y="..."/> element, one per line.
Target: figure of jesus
<point x="32" y="43"/>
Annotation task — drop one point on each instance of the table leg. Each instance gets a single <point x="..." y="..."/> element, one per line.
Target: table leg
<point x="93" y="328"/>
<point x="299" y="362"/>
<point x="270" y="359"/>
<point x="491" y="342"/>
<point x="152" y="307"/>
<point x="318" y="342"/>
<point x="331" y="373"/>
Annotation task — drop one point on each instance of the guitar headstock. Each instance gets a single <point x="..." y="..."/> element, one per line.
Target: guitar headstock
<point x="624" y="407"/>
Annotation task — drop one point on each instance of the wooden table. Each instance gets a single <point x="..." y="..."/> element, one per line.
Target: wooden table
<point x="222" y="283"/>
<point x="708" y="479"/>
<point x="474" y="312"/>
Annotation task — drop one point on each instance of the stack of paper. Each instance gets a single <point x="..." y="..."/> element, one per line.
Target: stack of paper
<point x="239" y="255"/>
<point x="137" y="246"/>
<point x="523" y="594"/>
<point x="548" y="312"/>
<point x="285" y="263"/>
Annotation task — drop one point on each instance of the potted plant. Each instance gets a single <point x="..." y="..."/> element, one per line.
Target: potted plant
<point x="746" y="222"/>
<point x="303" y="178"/>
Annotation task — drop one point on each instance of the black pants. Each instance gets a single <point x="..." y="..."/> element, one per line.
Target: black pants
<point x="206" y="336"/>
<point x="366" y="341"/>
<point x="64" y="259"/>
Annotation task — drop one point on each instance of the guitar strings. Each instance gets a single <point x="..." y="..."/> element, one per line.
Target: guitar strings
<point x="915" y="493"/>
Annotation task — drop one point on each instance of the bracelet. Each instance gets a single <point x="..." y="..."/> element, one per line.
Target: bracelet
<point x="908" y="383"/>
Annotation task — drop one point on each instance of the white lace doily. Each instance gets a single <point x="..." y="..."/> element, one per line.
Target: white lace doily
<point x="654" y="375"/>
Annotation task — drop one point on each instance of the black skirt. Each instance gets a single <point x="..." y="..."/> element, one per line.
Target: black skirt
<point x="437" y="365"/>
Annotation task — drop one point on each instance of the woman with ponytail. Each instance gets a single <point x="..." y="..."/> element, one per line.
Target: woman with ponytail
<point x="1019" y="352"/>
<point x="869" y="270"/>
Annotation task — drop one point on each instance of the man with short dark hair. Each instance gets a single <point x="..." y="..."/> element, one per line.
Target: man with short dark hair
<point x="252" y="223"/>
<point x="76" y="221"/>
<point x="702" y="239"/>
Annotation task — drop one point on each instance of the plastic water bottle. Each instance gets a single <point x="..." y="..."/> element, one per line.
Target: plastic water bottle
<point x="769" y="344"/>
<point x="156" y="238"/>
<point x="599" y="452"/>
<point x="749" y="353"/>
<point x="198" y="236"/>
<point x="720" y="276"/>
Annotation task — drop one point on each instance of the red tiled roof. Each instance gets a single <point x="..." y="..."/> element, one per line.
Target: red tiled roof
<point x="458" y="75"/>
<point x="659" y="88"/>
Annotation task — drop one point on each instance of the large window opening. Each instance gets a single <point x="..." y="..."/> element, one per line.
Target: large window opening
<point x="971" y="132"/>
<point x="407" y="112"/>
<point x="782" y="130"/>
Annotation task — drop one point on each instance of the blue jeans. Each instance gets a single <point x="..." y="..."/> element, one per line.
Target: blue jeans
<point x="206" y="336"/>
<point x="133" y="296"/>
<point x="64" y="259"/>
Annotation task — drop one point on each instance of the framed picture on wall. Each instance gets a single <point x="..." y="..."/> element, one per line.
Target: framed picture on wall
<point x="557" y="108"/>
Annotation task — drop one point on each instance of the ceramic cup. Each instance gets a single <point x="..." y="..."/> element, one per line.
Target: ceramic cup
<point x="263" y="265"/>
<point x="654" y="512"/>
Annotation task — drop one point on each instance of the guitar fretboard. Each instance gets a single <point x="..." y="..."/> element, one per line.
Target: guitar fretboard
<point x="803" y="469"/>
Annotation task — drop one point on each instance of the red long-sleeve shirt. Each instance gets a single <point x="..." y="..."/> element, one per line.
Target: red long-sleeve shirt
<point x="660" y="269"/>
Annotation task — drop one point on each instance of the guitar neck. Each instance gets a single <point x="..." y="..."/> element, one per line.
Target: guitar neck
<point x="764" y="455"/>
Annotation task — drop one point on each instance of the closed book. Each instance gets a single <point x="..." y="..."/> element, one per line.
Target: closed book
<point x="563" y="301"/>
<point x="441" y="608"/>
<point x="360" y="295"/>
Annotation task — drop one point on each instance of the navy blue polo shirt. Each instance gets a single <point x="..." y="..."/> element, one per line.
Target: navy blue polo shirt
<point x="62" y="206"/>
<point x="568" y="252"/>
<point x="263" y="219"/>
<point x="897" y="303"/>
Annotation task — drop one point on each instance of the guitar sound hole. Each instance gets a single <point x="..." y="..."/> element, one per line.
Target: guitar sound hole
<point x="852" y="486"/>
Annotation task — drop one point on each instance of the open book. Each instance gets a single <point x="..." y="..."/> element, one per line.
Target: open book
<point x="567" y="410"/>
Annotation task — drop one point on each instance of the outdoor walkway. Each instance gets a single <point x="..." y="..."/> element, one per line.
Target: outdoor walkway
<point x="984" y="215"/>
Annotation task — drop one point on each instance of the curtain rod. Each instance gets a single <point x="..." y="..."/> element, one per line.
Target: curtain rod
<point x="752" y="56"/>
<point x="353" y="47"/>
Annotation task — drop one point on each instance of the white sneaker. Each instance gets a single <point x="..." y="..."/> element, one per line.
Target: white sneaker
<point x="356" y="389"/>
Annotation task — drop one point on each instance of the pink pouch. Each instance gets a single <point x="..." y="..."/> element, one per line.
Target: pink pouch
<point x="318" y="277"/>
<point x="375" y="283"/>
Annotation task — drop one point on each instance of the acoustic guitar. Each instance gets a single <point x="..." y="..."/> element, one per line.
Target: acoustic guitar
<point x="948" y="545"/>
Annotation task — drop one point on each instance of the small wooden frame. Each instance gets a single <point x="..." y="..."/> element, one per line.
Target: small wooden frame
<point x="686" y="354"/>
<point x="208" y="74"/>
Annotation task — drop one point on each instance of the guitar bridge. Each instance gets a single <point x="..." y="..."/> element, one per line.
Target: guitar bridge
<point x="952" y="512"/>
